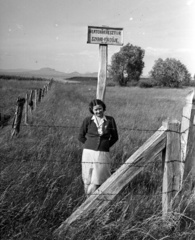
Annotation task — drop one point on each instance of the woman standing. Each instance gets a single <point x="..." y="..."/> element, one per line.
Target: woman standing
<point x="98" y="133"/>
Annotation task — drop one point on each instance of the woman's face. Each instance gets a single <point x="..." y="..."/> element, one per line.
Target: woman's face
<point x="98" y="111"/>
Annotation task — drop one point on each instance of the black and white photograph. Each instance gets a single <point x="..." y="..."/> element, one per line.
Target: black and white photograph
<point x="97" y="119"/>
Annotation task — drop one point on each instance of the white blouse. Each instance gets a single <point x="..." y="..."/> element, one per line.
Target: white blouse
<point x="99" y="124"/>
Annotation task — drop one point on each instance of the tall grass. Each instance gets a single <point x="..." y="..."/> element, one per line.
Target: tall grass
<point x="41" y="181"/>
<point x="11" y="89"/>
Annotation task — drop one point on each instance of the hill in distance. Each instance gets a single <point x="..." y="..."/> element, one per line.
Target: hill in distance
<point x="45" y="73"/>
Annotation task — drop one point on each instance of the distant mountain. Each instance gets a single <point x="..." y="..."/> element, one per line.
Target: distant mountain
<point x="45" y="73"/>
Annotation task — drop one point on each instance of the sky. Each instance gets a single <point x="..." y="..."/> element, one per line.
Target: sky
<point x="36" y="34"/>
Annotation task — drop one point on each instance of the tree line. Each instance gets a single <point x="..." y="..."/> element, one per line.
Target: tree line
<point x="127" y="66"/>
<point x="21" y="78"/>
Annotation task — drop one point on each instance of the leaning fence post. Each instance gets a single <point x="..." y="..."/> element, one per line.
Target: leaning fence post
<point x="18" y="117"/>
<point x="26" y="110"/>
<point x="172" y="180"/>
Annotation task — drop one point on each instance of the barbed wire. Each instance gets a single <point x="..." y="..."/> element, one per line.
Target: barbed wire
<point x="133" y="192"/>
<point x="118" y="127"/>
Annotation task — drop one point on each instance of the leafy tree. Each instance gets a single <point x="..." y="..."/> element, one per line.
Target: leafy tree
<point x="127" y="64"/>
<point x="170" y="73"/>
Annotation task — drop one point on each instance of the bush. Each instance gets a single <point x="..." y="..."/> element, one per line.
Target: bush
<point x="146" y="83"/>
<point x="127" y="64"/>
<point x="133" y="83"/>
<point x="170" y="73"/>
<point x="192" y="83"/>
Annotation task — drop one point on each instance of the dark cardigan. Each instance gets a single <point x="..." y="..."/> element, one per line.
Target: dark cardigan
<point x="92" y="140"/>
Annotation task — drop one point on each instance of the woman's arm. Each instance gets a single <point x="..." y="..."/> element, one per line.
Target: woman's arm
<point x="114" y="133"/>
<point x="83" y="131"/>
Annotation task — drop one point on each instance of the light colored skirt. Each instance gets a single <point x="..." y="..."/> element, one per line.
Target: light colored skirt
<point x="95" y="166"/>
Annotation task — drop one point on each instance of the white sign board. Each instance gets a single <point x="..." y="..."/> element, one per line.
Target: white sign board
<point x="105" y="35"/>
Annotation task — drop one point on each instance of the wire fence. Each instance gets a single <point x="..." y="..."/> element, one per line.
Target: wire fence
<point x="78" y="127"/>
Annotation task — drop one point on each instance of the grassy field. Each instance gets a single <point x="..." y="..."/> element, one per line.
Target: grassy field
<point x="41" y="181"/>
<point x="11" y="89"/>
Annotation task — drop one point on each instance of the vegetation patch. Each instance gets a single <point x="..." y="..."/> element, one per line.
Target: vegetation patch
<point x="41" y="181"/>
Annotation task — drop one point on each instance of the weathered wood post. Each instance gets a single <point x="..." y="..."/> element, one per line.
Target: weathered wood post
<point x="50" y="83"/>
<point x="18" y="117"/>
<point x="43" y="92"/>
<point x="30" y="101"/>
<point x="102" y="73"/>
<point x="185" y="126"/>
<point x="40" y="95"/>
<point x="104" y="36"/>
<point x="26" y="110"/>
<point x="189" y="171"/>
<point x="36" y="98"/>
<point x="172" y="176"/>
<point x="46" y="89"/>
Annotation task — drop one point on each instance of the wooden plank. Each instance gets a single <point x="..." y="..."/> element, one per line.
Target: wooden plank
<point x="172" y="176"/>
<point x="185" y="125"/>
<point x="116" y="183"/>
<point x="102" y="73"/>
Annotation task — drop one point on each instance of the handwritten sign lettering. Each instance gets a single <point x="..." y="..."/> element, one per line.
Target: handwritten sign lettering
<point x="105" y="35"/>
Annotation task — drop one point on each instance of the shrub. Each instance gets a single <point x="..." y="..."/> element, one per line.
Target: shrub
<point x="146" y="83"/>
<point x="133" y="83"/>
<point x="192" y="83"/>
<point x="170" y="73"/>
<point x="127" y="64"/>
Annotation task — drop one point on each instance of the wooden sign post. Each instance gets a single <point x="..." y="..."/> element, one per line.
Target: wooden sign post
<point x="104" y="36"/>
<point x="102" y="73"/>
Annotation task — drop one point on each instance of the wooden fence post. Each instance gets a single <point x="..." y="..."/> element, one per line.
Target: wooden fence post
<point x="26" y="110"/>
<point x="40" y="95"/>
<point x="35" y="99"/>
<point x="18" y="117"/>
<point x="45" y="89"/>
<point x="185" y="126"/>
<point x="172" y="180"/>
<point x="30" y="101"/>
<point x="43" y="92"/>
<point x="189" y="171"/>
<point x="101" y="85"/>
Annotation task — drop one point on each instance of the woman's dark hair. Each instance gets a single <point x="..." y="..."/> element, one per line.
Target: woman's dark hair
<point x="96" y="102"/>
